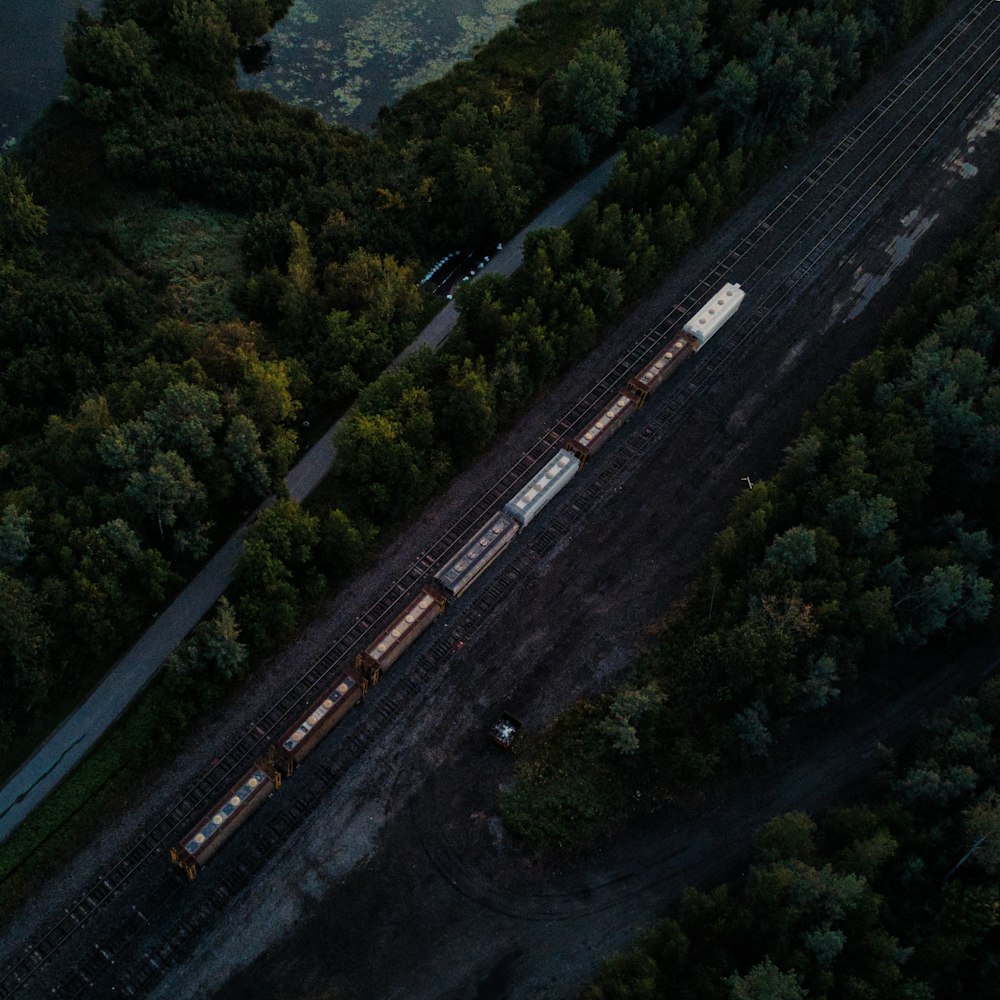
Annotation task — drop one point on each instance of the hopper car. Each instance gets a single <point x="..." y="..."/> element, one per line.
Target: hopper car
<point x="238" y="804"/>
<point x="459" y="572"/>
<point x="302" y="738"/>
<point x="409" y="625"/>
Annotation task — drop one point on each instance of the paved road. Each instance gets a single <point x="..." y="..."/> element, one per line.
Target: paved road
<point x="80" y="731"/>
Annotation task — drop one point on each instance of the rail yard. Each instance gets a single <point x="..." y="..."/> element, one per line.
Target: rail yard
<point x="123" y="933"/>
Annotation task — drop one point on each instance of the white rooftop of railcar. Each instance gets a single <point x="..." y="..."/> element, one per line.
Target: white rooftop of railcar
<point x="719" y="308"/>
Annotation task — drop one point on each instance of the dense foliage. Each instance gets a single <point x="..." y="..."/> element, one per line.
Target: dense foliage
<point x="891" y="898"/>
<point x="877" y="531"/>
<point x="189" y="272"/>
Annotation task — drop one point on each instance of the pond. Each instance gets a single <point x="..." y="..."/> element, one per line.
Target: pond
<point x="346" y="58"/>
<point x="342" y="58"/>
<point x="31" y="59"/>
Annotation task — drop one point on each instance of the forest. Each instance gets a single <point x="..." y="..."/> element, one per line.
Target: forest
<point x="891" y="897"/>
<point x="193" y="275"/>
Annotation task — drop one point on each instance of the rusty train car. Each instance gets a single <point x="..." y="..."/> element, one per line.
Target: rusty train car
<point x="460" y="571"/>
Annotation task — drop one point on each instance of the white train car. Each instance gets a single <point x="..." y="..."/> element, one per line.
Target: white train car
<point x="719" y="309"/>
<point x="528" y="504"/>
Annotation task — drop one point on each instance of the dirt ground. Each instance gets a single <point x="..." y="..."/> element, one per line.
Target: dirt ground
<point x="404" y="883"/>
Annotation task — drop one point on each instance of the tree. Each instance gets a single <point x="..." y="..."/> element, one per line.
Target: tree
<point x="243" y="450"/>
<point x="593" y="85"/>
<point x="25" y="640"/>
<point x="632" y="714"/>
<point x="213" y="647"/>
<point x="165" y="490"/>
<point x="466" y="411"/>
<point x="735" y="94"/>
<point x="342" y="545"/>
<point x="378" y="287"/>
<point x="817" y="690"/>
<point x="204" y="40"/>
<point x="765" y="981"/>
<point x="276" y="574"/>
<point x="664" y="40"/>
<point x="793" y="552"/>
<point x="786" y="838"/>
<point x="982" y="828"/>
<point x="22" y="222"/>
<point x="250" y="19"/>
<point x="824" y="943"/>
<point x="750" y="727"/>
<point x="185" y="420"/>
<point x="15" y="536"/>
<point x="382" y="470"/>
<point x="113" y="65"/>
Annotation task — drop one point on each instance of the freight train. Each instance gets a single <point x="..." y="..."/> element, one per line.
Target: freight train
<point x="461" y="570"/>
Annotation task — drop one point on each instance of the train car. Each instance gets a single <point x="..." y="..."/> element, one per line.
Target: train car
<point x="662" y="367"/>
<point x="228" y="815"/>
<point x="478" y="553"/>
<point x="303" y="737"/>
<point x="719" y="309"/>
<point x="400" y="635"/>
<point x="597" y="434"/>
<point x="528" y="504"/>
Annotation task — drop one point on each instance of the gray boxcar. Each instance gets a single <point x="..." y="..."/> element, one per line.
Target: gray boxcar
<point x="528" y="504"/>
<point x="478" y="553"/>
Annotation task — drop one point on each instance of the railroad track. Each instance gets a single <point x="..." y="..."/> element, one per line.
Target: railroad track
<point x="911" y="112"/>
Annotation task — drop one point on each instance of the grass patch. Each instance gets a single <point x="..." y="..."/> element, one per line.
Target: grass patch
<point x="191" y="254"/>
<point x="566" y="793"/>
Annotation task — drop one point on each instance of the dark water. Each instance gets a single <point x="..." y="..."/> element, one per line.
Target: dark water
<point x="342" y="58"/>
<point x="31" y="60"/>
